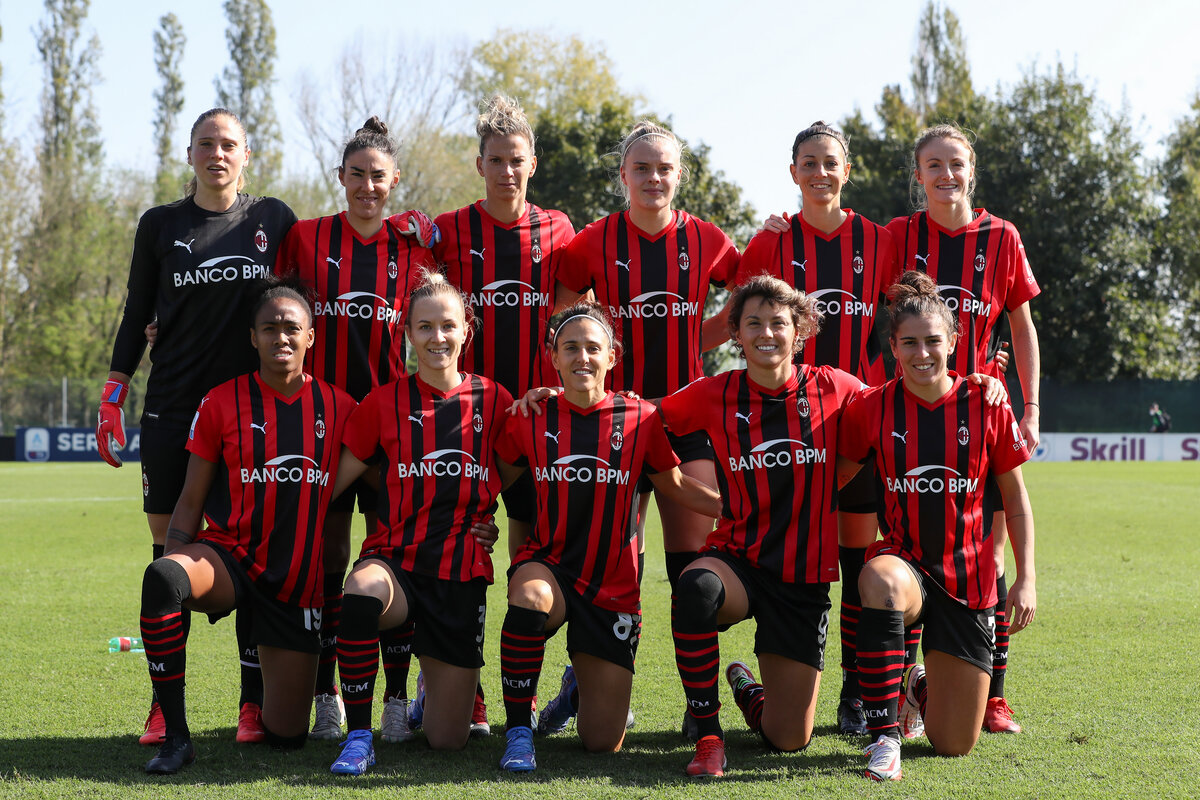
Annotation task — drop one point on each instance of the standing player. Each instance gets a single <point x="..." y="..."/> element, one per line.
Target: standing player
<point x="264" y="449"/>
<point x="650" y="268"/>
<point x="979" y="265"/>
<point x="774" y="429"/>
<point x="586" y="449"/>
<point x="434" y="434"/>
<point x="935" y="445"/>
<point x="840" y="260"/>
<point x="361" y="272"/>
<point x="504" y="254"/>
<point x="192" y="263"/>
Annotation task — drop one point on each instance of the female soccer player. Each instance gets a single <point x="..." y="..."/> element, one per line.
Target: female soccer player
<point x="934" y="444"/>
<point x="586" y="450"/>
<point x="841" y="261"/>
<point x="264" y="450"/>
<point x="774" y="552"/>
<point x="979" y="264"/>
<point x="361" y="272"/>
<point x="435" y="435"/>
<point x="192" y="263"/>
<point x="650" y="267"/>
<point x="504" y="254"/>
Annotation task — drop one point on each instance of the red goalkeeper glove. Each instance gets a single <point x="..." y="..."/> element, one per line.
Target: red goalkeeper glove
<point x="416" y="223"/>
<point x="110" y="425"/>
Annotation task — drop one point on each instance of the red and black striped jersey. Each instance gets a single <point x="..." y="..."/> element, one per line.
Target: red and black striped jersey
<point x="436" y="454"/>
<point x="653" y="286"/>
<point x="933" y="460"/>
<point x="981" y="271"/>
<point x="508" y="274"/>
<point x="586" y="463"/>
<point x="361" y="298"/>
<point x="276" y="459"/>
<point x="844" y="271"/>
<point x="776" y="456"/>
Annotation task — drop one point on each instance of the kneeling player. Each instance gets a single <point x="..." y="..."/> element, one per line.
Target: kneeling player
<point x="264" y="449"/>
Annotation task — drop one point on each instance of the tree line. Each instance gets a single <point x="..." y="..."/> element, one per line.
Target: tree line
<point x="1110" y="233"/>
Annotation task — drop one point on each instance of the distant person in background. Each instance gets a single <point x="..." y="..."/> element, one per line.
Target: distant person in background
<point x="1160" y="421"/>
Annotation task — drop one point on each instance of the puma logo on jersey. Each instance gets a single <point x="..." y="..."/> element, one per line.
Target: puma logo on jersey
<point x="337" y="262"/>
<point x="923" y="259"/>
<point x="186" y="245"/>
<point x="419" y="419"/>
<point x="800" y="264"/>
<point x="903" y="437"/>
<point x="745" y="416"/>
<point x="621" y="263"/>
<point x="261" y="428"/>
<point x="479" y="252"/>
<point x="553" y="436"/>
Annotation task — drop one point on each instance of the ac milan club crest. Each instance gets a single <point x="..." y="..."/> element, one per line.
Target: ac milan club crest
<point x="393" y="271"/>
<point x="618" y="439"/>
<point x="980" y="262"/>
<point x="145" y="485"/>
<point x="319" y="429"/>
<point x="802" y="406"/>
<point x="260" y="240"/>
<point x="857" y="263"/>
<point x="535" y="253"/>
<point x="684" y="262"/>
<point x="964" y="435"/>
<point x="477" y="423"/>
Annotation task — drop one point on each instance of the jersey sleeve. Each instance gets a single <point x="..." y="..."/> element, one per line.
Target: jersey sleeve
<point x="288" y="261"/>
<point x="508" y="445"/>
<point x="1011" y="449"/>
<point x="361" y="436"/>
<point x="759" y="256"/>
<point x="845" y="386"/>
<point x="659" y="455"/>
<point x="139" y="302"/>
<point x="204" y="437"/>
<point x="1022" y="286"/>
<point x="855" y="427"/>
<point x="898" y="229"/>
<point x="682" y="411"/>
<point x="575" y="270"/>
<point x="725" y="263"/>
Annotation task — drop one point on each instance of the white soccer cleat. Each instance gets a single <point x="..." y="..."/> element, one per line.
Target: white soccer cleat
<point x="329" y="718"/>
<point x="393" y="725"/>
<point x="884" y="759"/>
<point x="909" y="718"/>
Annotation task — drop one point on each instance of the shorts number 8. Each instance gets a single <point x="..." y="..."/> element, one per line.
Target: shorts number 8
<point x="623" y="626"/>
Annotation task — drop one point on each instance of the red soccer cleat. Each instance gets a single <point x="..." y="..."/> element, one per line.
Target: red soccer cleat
<point x="250" y="727"/>
<point x="709" y="761"/>
<point x="156" y="727"/>
<point x="998" y="718"/>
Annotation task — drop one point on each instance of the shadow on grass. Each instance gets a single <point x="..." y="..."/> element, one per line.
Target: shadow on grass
<point x="649" y="759"/>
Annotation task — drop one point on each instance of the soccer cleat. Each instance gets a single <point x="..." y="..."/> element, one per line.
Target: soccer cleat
<point x="740" y="679"/>
<point x="479" y="722"/>
<point x="629" y="719"/>
<point x="909" y="713"/>
<point x="416" y="708"/>
<point x="709" y="761"/>
<point x="689" y="728"/>
<point x="557" y="714"/>
<point x="851" y="719"/>
<point x="998" y="718"/>
<point x="393" y="725"/>
<point x="518" y="753"/>
<point x="250" y="728"/>
<point x="329" y="718"/>
<point x="175" y="754"/>
<point x="884" y="763"/>
<point x="358" y="753"/>
<point x="156" y="727"/>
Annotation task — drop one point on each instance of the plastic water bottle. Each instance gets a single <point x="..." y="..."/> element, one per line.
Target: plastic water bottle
<point x="125" y="644"/>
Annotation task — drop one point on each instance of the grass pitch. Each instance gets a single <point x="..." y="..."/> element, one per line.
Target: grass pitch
<point x="1105" y="681"/>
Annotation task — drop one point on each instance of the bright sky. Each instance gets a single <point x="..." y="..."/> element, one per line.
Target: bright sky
<point x="742" y="76"/>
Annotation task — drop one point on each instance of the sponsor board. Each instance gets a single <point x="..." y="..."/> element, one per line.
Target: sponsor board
<point x="71" y="444"/>
<point x="1118" y="447"/>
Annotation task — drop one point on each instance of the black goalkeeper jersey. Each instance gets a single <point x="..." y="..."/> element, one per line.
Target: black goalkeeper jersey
<point x="192" y="269"/>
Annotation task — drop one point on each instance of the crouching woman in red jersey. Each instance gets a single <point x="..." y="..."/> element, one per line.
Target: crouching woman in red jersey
<point x="587" y="449"/>
<point x="433" y="435"/>
<point x="933" y="442"/>
<point x="264" y="450"/>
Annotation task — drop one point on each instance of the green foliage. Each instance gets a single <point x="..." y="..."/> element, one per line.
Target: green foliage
<point x="1179" y="276"/>
<point x="70" y="131"/>
<point x="169" y="41"/>
<point x="246" y="84"/>
<point x="72" y="710"/>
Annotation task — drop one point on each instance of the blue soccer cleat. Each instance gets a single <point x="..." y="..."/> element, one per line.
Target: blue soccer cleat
<point x="416" y="709"/>
<point x="557" y="714"/>
<point x="358" y="753"/>
<point x="518" y="754"/>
